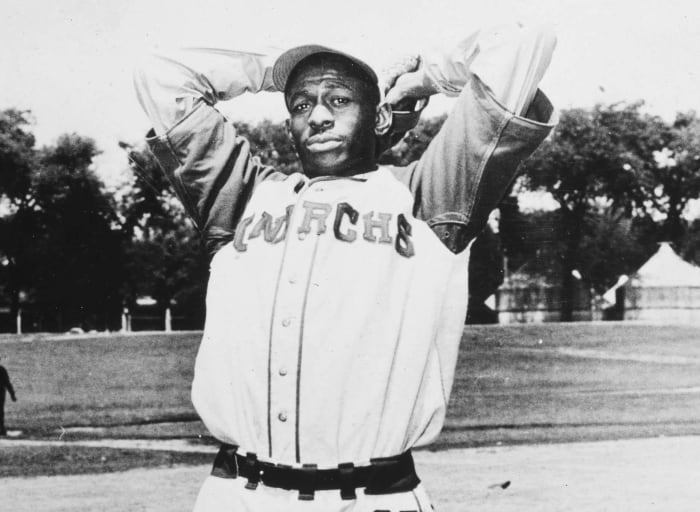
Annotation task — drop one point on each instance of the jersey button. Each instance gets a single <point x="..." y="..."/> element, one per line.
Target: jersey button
<point x="292" y="279"/>
<point x="286" y="322"/>
<point x="283" y="371"/>
<point x="282" y="416"/>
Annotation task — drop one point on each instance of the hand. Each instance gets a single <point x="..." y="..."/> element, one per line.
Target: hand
<point x="407" y="80"/>
<point x="14" y="398"/>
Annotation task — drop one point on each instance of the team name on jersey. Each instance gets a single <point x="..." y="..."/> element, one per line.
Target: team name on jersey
<point x="348" y="225"/>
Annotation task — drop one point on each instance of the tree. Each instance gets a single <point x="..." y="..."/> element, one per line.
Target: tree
<point x="676" y="177"/>
<point x="76" y="254"/>
<point x="412" y="146"/>
<point x="17" y="161"/>
<point x="597" y="158"/>
<point x="614" y="244"/>
<point x="522" y="234"/>
<point x="17" y="156"/>
<point x="690" y="249"/>
<point x="272" y="144"/>
<point x="57" y="242"/>
<point x="164" y="257"/>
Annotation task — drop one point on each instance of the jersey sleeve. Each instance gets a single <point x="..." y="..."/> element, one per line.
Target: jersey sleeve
<point x="209" y="165"/>
<point x="499" y="118"/>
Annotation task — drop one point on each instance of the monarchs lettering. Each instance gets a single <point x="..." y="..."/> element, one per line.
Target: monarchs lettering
<point x="343" y="222"/>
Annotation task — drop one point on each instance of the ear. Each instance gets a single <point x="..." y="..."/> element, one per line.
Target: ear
<point x="383" y="119"/>
<point x="288" y="126"/>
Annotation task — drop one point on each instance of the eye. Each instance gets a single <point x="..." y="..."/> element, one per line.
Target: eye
<point x="300" y="106"/>
<point x="340" y="100"/>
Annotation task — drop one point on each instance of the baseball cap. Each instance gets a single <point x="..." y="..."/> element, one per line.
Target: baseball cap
<point x="287" y="61"/>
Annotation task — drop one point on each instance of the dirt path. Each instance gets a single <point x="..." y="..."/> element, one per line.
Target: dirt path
<point x="640" y="475"/>
<point x="170" y="445"/>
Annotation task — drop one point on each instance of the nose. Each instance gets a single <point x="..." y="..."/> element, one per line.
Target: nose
<point x="321" y="117"/>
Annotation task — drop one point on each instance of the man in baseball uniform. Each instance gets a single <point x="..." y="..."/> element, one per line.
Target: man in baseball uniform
<point x="337" y="297"/>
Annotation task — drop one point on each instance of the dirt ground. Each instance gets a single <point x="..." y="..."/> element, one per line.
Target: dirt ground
<point x="659" y="474"/>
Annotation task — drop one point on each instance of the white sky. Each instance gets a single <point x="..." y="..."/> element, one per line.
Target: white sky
<point x="69" y="61"/>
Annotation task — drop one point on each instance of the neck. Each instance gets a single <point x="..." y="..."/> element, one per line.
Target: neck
<point x="360" y="167"/>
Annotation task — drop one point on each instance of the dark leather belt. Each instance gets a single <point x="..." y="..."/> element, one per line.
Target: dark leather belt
<point x="386" y="475"/>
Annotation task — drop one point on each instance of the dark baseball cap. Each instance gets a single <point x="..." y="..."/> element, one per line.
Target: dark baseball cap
<point x="285" y="63"/>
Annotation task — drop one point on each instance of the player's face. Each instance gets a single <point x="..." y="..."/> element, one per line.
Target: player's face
<point x="332" y="118"/>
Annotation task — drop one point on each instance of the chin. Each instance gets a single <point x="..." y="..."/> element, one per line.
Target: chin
<point x="324" y="165"/>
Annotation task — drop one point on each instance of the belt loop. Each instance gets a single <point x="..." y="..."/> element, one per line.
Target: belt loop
<point x="346" y="471"/>
<point x="225" y="463"/>
<point x="307" y="484"/>
<point x="251" y="462"/>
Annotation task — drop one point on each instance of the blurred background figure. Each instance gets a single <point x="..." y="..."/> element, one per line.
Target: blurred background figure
<point x="5" y="384"/>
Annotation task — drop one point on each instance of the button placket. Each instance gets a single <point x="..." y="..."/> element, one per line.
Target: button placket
<point x="286" y="337"/>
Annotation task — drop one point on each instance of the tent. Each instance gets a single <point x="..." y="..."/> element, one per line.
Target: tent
<point x="665" y="289"/>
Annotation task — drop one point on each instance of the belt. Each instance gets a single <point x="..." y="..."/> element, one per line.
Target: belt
<point x="387" y="475"/>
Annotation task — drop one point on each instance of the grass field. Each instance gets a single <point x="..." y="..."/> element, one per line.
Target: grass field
<point x="564" y="382"/>
<point x="99" y="381"/>
<point x="514" y="384"/>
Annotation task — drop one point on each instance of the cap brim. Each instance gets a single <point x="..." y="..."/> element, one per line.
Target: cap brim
<point x="285" y="63"/>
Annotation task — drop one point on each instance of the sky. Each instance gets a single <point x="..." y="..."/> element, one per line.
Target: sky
<point x="70" y="61"/>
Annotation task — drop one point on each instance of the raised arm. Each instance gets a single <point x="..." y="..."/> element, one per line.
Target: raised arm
<point x="209" y="165"/>
<point x="499" y="119"/>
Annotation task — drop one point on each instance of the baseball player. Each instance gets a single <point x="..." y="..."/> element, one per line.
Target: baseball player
<point x="337" y="297"/>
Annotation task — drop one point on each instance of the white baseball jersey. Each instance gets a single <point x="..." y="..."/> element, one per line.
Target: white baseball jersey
<point x="331" y="322"/>
<point x="335" y="306"/>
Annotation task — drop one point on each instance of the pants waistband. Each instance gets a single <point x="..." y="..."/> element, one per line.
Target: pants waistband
<point x="387" y="475"/>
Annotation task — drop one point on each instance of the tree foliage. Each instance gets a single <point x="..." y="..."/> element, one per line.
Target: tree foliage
<point x="272" y="144"/>
<point x="59" y="251"/>
<point x="76" y="248"/>
<point x="412" y="146"/>
<point x="17" y="155"/>
<point x="676" y="177"/>
<point x="75" y="254"/>
<point x="164" y="257"/>
<point x="598" y="159"/>
<point x="17" y="222"/>
<point x="602" y="154"/>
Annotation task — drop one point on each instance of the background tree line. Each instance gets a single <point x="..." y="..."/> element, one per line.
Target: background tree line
<point x="73" y="254"/>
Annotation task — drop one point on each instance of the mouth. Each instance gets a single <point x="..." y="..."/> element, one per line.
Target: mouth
<point x="322" y="142"/>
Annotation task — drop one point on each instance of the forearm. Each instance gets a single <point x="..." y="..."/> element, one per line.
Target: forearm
<point x="210" y="167"/>
<point x="470" y="163"/>
<point x="510" y="60"/>
<point x="170" y="85"/>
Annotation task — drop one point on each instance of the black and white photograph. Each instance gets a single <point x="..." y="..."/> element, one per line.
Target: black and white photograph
<point x="357" y="256"/>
